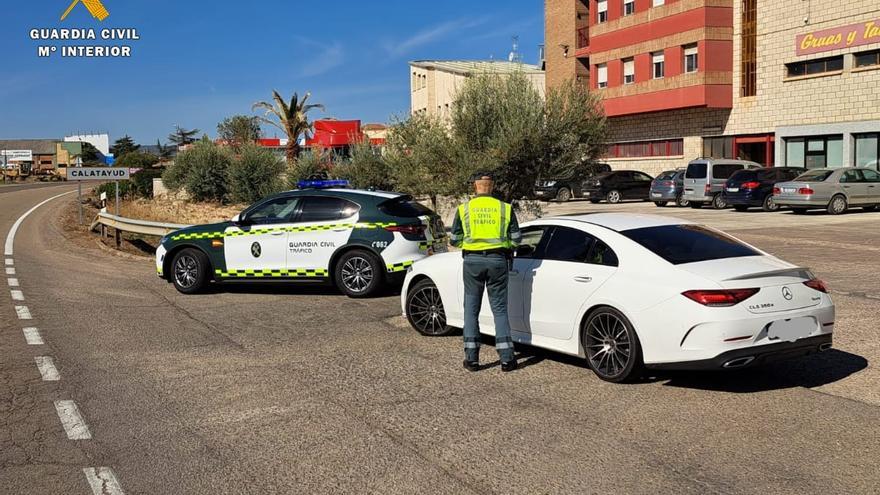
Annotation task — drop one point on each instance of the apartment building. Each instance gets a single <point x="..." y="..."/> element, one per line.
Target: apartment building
<point x="435" y="83"/>
<point x="779" y="82"/>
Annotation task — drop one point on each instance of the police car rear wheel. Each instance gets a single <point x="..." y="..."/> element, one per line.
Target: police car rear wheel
<point x="358" y="274"/>
<point x="424" y="310"/>
<point x="189" y="271"/>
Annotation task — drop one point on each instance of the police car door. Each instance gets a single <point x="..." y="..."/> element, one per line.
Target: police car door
<point x="258" y="243"/>
<point x="324" y="224"/>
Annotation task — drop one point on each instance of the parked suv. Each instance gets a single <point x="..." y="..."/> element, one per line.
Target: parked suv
<point x="669" y="186"/>
<point x="748" y="188"/>
<point x="616" y="186"/>
<point x="564" y="189"/>
<point x="705" y="177"/>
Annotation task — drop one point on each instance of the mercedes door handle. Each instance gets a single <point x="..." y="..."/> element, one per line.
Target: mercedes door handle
<point x="584" y="280"/>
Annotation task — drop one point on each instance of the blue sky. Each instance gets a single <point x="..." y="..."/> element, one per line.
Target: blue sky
<point x="198" y="61"/>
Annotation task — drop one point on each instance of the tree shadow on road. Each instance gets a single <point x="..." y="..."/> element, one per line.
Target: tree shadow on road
<point x="808" y="372"/>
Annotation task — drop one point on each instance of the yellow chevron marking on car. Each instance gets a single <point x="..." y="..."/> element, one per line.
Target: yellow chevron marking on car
<point x="399" y="267"/>
<point x="301" y="228"/>
<point x="317" y="272"/>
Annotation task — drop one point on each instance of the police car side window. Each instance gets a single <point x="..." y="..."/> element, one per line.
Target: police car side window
<point x="325" y="208"/>
<point x="279" y="210"/>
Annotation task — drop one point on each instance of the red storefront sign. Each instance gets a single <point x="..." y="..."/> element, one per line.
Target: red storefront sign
<point x="840" y="37"/>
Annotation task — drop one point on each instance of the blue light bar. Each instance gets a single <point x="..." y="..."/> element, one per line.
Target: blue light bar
<point x="322" y="184"/>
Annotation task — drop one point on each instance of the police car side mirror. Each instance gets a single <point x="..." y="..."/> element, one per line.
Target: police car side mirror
<point x="236" y="218"/>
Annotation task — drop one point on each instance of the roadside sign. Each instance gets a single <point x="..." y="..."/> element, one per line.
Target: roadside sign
<point x="17" y="155"/>
<point x="97" y="173"/>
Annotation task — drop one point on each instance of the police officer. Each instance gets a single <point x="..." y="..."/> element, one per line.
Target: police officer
<point x="486" y="230"/>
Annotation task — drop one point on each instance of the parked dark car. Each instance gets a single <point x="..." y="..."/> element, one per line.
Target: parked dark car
<point x="564" y="189"/>
<point x="616" y="186"/>
<point x="754" y="187"/>
<point x="668" y="187"/>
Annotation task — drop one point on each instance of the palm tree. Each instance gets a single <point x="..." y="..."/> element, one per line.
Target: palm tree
<point x="183" y="137"/>
<point x="289" y="117"/>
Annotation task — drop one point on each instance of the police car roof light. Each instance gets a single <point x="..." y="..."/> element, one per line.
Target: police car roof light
<point x="322" y="184"/>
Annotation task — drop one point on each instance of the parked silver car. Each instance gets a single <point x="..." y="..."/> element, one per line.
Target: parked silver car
<point x="704" y="180"/>
<point x="832" y="189"/>
<point x="668" y="187"/>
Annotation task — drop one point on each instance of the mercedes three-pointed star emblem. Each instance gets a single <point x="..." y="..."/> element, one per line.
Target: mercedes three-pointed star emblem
<point x="786" y="293"/>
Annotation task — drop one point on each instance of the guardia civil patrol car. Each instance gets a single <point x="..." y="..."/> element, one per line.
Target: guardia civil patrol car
<point x="359" y="240"/>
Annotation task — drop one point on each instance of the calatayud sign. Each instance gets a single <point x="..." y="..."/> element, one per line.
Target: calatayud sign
<point x="839" y="37"/>
<point x="98" y="173"/>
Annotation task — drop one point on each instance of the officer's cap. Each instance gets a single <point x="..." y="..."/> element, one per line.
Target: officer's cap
<point x="483" y="176"/>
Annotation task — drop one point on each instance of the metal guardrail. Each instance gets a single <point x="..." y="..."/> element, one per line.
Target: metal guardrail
<point x="122" y="224"/>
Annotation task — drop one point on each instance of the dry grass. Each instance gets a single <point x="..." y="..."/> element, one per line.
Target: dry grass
<point x="177" y="211"/>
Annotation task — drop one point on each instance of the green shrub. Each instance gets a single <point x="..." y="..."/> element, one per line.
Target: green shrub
<point x="307" y="165"/>
<point x="142" y="182"/>
<point x="137" y="159"/>
<point x="255" y="174"/>
<point x="201" y="171"/>
<point x="366" y="168"/>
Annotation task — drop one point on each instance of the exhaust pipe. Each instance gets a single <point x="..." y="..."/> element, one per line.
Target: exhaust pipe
<point x="825" y="346"/>
<point x="738" y="362"/>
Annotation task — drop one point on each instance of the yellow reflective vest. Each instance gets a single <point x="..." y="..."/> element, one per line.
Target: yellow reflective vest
<point x="485" y="221"/>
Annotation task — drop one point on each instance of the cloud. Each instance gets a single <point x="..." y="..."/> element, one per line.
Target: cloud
<point x="432" y="34"/>
<point x="326" y="57"/>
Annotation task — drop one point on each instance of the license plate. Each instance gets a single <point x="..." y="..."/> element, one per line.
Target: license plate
<point x="788" y="189"/>
<point x="688" y="190"/>
<point x="791" y="330"/>
<point x="655" y="195"/>
<point x="732" y="189"/>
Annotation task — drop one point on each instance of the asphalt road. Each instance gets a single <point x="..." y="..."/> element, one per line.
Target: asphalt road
<point x="299" y="390"/>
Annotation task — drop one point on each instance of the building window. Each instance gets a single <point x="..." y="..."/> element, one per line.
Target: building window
<point x="658" y="3"/>
<point x="665" y="147"/>
<point x="659" y="67"/>
<point x="690" y="58"/>
<point x="718" y="147"/>
<point x="868" y="151"/>
<point x="749" y="72"/>
<point x="629" y="7"/>
<point x="867" y="59"/>
<point x="629" y="71"/>
<point x="814" y="152"/>
<point x="817" y="66"/>
<point x="602" y="11"/>
<point x="602" y="75"/>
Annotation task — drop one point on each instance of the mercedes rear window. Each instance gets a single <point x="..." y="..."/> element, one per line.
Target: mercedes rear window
<point x="814" y="176"/>
<point x="680" y="244"/>
<point x="696" y="171"/>
<point x="406" y="207"/>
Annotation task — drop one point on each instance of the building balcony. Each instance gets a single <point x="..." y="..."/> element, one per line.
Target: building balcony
<point x="693" y="90"/>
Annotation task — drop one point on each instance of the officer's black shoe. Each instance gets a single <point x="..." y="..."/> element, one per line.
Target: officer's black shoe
<point x="508" y="366"/>
<point x="471" y="365"/>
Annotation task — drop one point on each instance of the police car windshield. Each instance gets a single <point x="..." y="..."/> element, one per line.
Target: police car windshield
<point x="404" y="206"/>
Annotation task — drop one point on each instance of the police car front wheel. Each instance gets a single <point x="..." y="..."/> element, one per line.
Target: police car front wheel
<point x="189" y="271"/>
<point x="358" y="273"/>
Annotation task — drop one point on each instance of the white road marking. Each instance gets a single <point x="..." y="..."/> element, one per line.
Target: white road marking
<point x="9" y="262"/>
<point x="10" y="271"/>
<point x="47" y="368"/>
<point x="32" y="336"/>
<point x="72" y="420"/>
<point x="10" y="237"/>
<point x="13" y="282"/>
<point x="17" y="295"/>
<point x="103" y="481"/>
<point x="23" y="313"/>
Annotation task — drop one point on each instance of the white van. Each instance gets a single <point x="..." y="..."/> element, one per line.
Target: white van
<point x="705" y="177"/>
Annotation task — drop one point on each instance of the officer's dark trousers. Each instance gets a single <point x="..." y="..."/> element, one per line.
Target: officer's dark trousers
<point x="486" y="271"/>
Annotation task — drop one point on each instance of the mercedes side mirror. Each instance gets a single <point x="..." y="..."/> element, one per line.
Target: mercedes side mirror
<point x="525" y="250"/>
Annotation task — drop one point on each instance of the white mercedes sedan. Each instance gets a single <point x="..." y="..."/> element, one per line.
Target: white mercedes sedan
<point x="628" y="292"/>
